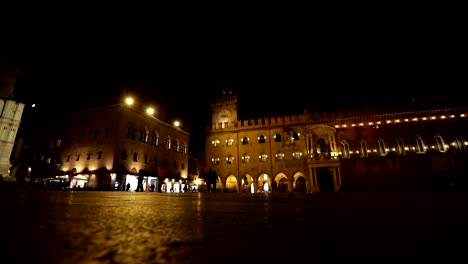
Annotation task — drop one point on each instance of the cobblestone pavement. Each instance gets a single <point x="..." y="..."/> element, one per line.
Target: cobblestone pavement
<point x="129" y="227"/>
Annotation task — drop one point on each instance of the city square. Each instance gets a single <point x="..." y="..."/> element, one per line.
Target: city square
<point x="43" y="226"/>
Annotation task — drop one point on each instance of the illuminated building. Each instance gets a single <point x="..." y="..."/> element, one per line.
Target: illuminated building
<point x="11" y="113"/>
<point x="355" y="150"/>
<point x="107" y="148"/>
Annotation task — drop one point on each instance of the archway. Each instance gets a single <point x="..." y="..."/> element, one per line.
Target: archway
<point x="301" y="185"/>
<point x="264" y="183"/>
<point x="282" y="183"/>
<point x="231" y="184"/>
<point x="325" y="180"/>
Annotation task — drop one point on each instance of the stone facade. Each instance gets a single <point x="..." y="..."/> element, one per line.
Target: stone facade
<point x="359" y="150"/>
<point x="117" y="141"/>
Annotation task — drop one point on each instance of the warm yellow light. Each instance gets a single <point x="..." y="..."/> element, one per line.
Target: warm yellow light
<point x="176" y="123"/>
<point x="150" y="110"/>
<point x="129" y="101"/>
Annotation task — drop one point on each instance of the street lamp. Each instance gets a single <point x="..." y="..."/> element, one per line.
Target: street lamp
<point x="176" y="123"/>
<point x="150" y="111"/>
<point x="129" y="101"/>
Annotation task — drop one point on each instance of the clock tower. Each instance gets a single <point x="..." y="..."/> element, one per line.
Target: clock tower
<point x="224" y="108"/>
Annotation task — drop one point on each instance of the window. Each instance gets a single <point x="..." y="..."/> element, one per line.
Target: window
<point x="215" y="143"/>
<point x="345" y="149"/>
<point x="143" y="136"/>
<point x="88" y="157"/>
<point x="184" y="148"/>
<point x="68" y="158"/>
<point x="278" y="138"/>
<point x="263" y="157"/>
<point x="135" y="156"/>
<point x="400" y="146"/>
<point x="215" y="160"/>
<point x="229" y="142"/>
<point x="362" y="149"/>
<point x="245" y="158"/>
<point x="99" y="155"/>
<point x="419" y="145"/>
<point x="321" y="146"/>
<point x="182" y="166"/>
<point x="440" y="143"/>
<point x="131" y="133"/>
<point x="295" y="136"/>
<point x="381" y="150"/>
<point x="59" y="142"/>
<point x="261" y="139"/>
<point x="167" y="143"/>
<point x="297" y="155"/>
<point x="78" y="157"/>
<point x="229" y="159"/>
<point x="279" y="156"/>
<point x="175" y="146"/>
<point x="245" y="141"/>
<point x="154" y="140"/>
<point x="146" y="158"/>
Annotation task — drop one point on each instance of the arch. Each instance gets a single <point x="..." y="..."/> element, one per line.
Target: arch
<point x="345" y="150"/>
<point x="278" y="138"/>
<point x="245" y="141"/>
<point x="281" y="182"/>
<point x="247" y="184"/>
<point x="231" y="183"/>
<point x="400" y="146"/>
<point x="263" y="183"/>
<point x="131" y="131"/>
<point x="299" y="184"/>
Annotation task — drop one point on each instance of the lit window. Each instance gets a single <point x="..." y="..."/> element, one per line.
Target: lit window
<point x="279" y="156"/>
<point x="215" y="143"/>
<point x="297" y="155"/>
<point x="245" y="158"/>
<point x="263" y="157"/>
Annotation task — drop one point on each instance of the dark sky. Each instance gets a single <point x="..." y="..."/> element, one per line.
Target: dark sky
<point x="267" y="68"/>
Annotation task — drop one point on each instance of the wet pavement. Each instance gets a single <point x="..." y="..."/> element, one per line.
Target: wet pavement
<point x="129" y="227"/>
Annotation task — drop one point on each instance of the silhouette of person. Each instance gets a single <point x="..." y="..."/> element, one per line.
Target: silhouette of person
<point x="128" y="187"/>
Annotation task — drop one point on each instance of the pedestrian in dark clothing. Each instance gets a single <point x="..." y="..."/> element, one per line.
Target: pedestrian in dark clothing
<point x="128" y="187"/>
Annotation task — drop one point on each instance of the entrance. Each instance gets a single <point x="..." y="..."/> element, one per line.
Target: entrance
<point x="325" y="180"/>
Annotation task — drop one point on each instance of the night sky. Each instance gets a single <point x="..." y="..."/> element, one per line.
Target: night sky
<point x="182" y="75"/>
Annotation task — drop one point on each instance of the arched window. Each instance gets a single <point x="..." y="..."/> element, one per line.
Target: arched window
<point x="419" y="145"/>
<point x="229" y="159"/>
<point x="229" y="142"/>
<point x="245" y="141"/>
<point x="131" y="134"/>
<point x="215" y="143"/>
<point x="246" y="158"/>
<point x="295" y="136"/>
<point x="215" y="160"/>
<point x="278" y="138"/>
<point x="362" y="149"/>
<point x="261" y="139"/>
<point x="263" y="157"/>
<point x="167" y="143"/>
<point x="400" y="146"/>
<point x="381" y="150"/>
<point x="184" y="148"/>
<point x="345" y="149"/>
<point x="143" y="135"/>
<point x="154" y="139"/>
<point x="321" y="146"/>
<point x="135" y="156"/>
<point x="175" y="145"/>
<point x="440" y="143"/>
